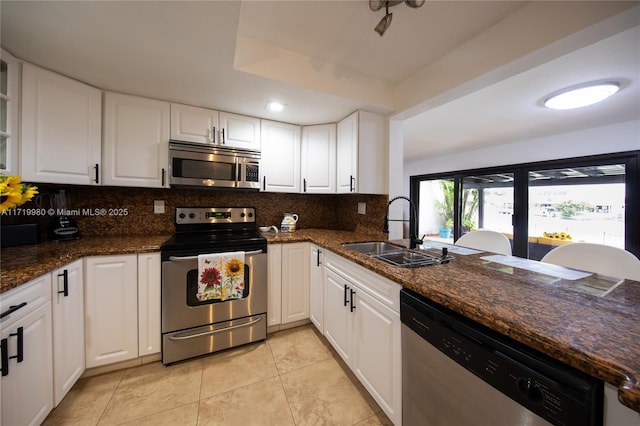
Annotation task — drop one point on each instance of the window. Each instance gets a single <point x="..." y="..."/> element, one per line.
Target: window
<point x="538" y="206"/>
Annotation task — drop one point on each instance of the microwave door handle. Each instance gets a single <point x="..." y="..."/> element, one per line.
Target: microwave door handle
<point x="238" y="172"/>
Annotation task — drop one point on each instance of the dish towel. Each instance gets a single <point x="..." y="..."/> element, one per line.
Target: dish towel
<point x="220" y="276"/>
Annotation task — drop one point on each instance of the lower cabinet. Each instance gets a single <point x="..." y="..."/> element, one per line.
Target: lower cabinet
<point x="149" y="336"/>
<point x="362" y="322"/>
<point x="288" y="283"/>
<point x="26" y="344"/>
<point x="67" y="307"/>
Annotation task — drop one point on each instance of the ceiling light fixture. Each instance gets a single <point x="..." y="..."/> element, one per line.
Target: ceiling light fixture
<point x="274" y="106"/>
<point x="581" y="95"/>
<point x="385" y="22"/>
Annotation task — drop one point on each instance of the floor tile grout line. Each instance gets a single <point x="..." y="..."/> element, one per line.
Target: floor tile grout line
<point x="113" y="392"/>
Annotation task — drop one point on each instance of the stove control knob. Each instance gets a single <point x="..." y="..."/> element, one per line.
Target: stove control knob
<point x="250" y="214"/>
<point x="192" y="215"/>
<point x="242" y="214"/>
<point x="181" y="215"/>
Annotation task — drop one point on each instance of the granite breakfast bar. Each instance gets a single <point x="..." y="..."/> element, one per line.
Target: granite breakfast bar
<point x="595" y="332"/>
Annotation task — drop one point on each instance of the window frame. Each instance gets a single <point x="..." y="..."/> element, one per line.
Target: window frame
<point x="520" y="171"/>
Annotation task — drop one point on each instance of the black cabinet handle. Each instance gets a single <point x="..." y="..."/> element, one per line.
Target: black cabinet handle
<point x="214" y="135"/>
<point x="163" y="179"/>
<point x="352" y="185"/>
<point x="97" y="173"/>
<point x="318" y="257"/>
<point x="223" y="139"/>
<point x="352" y="305"/>
<point x="20" y="335"/>
<point x="304" y="185"/>
<point x="65" y="283"/>
<point x="346" y="300"/>
<point x="12" y="309"/>
<point x="264" y="183"/>
<point x="4" y="362"/>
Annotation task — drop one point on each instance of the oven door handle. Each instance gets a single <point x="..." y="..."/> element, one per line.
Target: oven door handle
<point x="179" y="258"/>
<point x="221" y="330"/>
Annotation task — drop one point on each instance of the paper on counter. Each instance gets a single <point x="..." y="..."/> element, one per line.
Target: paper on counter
<point x="539" y="267"/>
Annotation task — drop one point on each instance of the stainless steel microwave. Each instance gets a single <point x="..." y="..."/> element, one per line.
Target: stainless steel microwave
<point x="194" y="164"/>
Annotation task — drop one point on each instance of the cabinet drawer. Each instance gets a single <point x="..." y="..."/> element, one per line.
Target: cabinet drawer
<point x="33" y="294"/>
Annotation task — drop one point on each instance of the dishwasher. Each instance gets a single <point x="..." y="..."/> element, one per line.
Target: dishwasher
<point x="458" y="372"/>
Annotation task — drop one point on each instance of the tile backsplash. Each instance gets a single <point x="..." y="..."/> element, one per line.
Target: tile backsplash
<point x="129" y="211"/>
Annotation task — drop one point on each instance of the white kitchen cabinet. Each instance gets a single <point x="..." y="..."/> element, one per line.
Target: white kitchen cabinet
<point x="362" y="322"/>
<point x="27" y="377"/>
<point x="240" y="131"/>
<point x="295" y="282"/>
<point x="318" y="159"/>
<point x="362" y="154"/>
<point x="61" y="129"/>
<point x="149" y="339"/>
<point x="10" y="107"/>
<point x="193" y="124"/>
<point x="274" y="284"/>
<point x="280" y="157"/>
<point x="136" y="141"/>
<point x="316" y="287"/>
<point x="67" y="306"/>
<point x="111" y="309"/>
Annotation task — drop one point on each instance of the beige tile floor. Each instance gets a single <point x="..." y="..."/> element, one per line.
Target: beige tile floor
<point x="293" y="378"/>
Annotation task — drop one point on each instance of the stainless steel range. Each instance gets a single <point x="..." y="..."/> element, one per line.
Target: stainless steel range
<point x="214" y="282"/>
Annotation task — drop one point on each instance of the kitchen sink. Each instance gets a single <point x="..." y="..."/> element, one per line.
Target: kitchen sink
<point x="397" y="255"/>
<point x="373" y="247"/>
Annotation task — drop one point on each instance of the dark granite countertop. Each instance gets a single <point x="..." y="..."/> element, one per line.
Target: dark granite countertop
<point x="597" y="331"/>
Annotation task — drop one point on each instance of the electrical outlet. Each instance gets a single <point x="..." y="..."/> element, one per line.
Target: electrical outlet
<point x="158" y="206"/>
<point x="362" y="208"/>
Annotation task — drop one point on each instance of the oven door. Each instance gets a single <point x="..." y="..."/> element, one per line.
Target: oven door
<point x="182" y="310"/>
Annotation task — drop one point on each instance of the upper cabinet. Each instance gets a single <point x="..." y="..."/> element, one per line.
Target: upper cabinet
<point x="61" y="129"/>
<point x="9" y="107"/>
<point x="193" y="124"/>
<point x="239" y="131"/>
<point x="280" y="157"/>
<point x="207" y="126"/>
<point x="136" y="138"/>
<point x="362" y="154"/>
<point x="318" y="159"/>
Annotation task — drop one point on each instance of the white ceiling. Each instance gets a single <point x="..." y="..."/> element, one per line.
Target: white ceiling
<point x="323" y="60"/>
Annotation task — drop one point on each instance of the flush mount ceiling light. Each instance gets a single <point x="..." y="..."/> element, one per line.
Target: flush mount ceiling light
<point x="274" y="106"/>
<point x="385" y="22"/>
<point x="581" y="95"/>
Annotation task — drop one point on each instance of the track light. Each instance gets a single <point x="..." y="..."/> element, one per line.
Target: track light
<point x="385" y="22"/>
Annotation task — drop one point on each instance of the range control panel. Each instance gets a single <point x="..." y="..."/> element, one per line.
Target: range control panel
<point x="214" y="215"/>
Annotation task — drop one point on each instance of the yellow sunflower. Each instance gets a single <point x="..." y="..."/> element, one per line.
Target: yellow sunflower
<point x="14" y="193"/>
<point x="234" y="268"/>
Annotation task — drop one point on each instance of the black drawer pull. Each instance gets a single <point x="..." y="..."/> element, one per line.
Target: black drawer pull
<point x="4" y="347"/>
<point x="65" y="281"/>
<point x="346" y="300"/>
<point x="20" y="335"/>
<point x="352" y="304"/>
<point x="12" y="309"/>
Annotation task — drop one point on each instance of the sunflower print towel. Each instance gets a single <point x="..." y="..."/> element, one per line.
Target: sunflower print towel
<point x="220" y="276"/>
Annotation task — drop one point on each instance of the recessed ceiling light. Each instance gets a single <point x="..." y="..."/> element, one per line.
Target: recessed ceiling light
<point x="582" y="95"/>
<point x="274" y="106"/>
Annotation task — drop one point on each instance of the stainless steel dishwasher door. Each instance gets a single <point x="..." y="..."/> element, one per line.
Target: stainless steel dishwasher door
<point x="437" y="391"/>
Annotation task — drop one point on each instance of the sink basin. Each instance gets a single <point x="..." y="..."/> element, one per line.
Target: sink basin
<point x="396" y="255"/>
<point x="373" y="247"/>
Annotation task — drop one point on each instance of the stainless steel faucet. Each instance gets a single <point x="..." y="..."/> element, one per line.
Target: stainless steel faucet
<point x="413" y="225"/>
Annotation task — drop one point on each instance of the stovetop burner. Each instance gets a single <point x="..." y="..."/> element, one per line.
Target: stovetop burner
<point x="215" y="228"/>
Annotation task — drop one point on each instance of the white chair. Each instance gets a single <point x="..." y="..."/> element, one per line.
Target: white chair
<point x="486" y="240"/>
<point x="598" y="258"/>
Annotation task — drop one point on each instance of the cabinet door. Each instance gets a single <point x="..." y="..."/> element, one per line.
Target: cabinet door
<point x="274" y="284"/>
<point x="376" y="358"/>
<point x="136" y="138"/>
<point x="347" y="154"/>
<point x="295" y="282"/>
<point x="111" y="309"/>
<point x="193" y="124"/>
<point x="27" y="391"/>
<point x="337" y="316"/>
<point x="318" y="159"/>
<point x="9" y="99"/>
<point x="61" y="129"/>
<point x="316" y="287"/>
<point x="148" y="303"/>
<point x="67" y="303"/>
<point x="280" y="159"/>
<point x="239" y="131"/>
